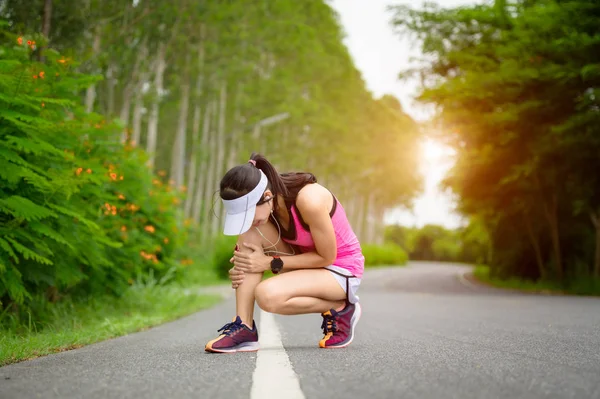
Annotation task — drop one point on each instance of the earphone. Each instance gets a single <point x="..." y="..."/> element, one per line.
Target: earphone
<point x="278" y="235"/>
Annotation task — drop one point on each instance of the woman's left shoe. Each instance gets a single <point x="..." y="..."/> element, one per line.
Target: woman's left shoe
<point x="338" y="327"/>
<point x="235" y="337"/>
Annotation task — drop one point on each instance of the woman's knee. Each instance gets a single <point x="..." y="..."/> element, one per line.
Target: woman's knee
<point x="251" y="237"/>
<point x="268" y="297"/>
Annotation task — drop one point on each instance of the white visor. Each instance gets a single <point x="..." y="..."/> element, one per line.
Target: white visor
<point x="239" y="212"/>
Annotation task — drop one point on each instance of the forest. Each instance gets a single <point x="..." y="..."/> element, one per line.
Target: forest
<point x="119" y="118"/>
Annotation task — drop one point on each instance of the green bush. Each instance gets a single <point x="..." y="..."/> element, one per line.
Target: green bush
<point x="468" y="243"/>
<point x="387" y="254"/>
<point x="80" y="212"/>
<point x="222" y="251"/>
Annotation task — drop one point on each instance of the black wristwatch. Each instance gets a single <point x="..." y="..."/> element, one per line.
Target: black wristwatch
<point x="276" y="264"/>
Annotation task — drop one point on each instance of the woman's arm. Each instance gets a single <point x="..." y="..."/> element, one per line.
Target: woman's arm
<point x="314" y="203"/>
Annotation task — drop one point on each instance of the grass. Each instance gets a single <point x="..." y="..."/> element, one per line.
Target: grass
<point x="75" y="324"/>
<point x="582" y="286"/>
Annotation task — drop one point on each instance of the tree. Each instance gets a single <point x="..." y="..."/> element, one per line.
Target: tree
<point x="522" y="114"/>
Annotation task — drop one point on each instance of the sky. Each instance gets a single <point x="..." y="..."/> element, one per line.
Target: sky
<point x="380" y="55"/>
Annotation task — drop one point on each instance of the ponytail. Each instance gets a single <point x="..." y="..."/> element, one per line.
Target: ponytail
<point x="276" y="183"/>
<point x="241" y="179"/>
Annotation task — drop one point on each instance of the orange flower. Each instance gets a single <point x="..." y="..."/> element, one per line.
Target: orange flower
<point x="35" y="76"/>
<point x="162" y="173"/>
<point x="166" y="240"/>
<point x="156" y="182"/>
<point x="78" y="171"/>
<point x="183" y="189"/>
<point x="43" y="105"/>
<point x="89" y="171"/>
<point x="121" y="197"/>
<point x="150" y="229"/>
<point x="42" y="74"/>
<point x="123" y="228"/>
<point x="62" y="61"/>
<point x="113" y="176"/>
<point x="121" y="178"/>
<point x="20" y="41"/>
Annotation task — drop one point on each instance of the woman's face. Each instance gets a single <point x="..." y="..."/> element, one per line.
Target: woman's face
<point x="261" y="216"/>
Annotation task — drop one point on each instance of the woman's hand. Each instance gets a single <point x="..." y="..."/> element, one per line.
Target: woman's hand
<point x="252" y="262"/>
<point x="236" y="276"/>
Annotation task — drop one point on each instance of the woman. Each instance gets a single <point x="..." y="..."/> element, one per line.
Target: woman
<point x="296" y="228"/>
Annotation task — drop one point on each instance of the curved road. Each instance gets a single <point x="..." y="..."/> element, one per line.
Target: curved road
<point x="426" y="332"/>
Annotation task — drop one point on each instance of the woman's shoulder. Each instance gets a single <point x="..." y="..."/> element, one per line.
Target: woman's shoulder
<point x="313" y="197"/>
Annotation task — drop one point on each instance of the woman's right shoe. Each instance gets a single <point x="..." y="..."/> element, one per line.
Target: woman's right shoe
<point x="338" y="327"/>
<point x="235" y="337"/>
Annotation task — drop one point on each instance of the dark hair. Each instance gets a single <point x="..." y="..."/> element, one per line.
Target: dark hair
<point x="241" y="179"/>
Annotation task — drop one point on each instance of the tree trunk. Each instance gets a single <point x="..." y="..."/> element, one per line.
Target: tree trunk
<point x="137" y="119"/>
<point x="128" y="93"/>
<point x="370" y="219"/>
<point x="90" y="93"/>
<point x="154" y="111"/>
<point x="220" y="163"/>
<point x="47" y="18"/>
<point x="595" y="216"/>
<point x="379" y="225"/>
<point x="209" y="200"/>
<point x="125" y="110"/>
<point x="536" y="246"/>
<point x="201" y="193"/>
<point x="110" y="93"/>
<point x="46" y="21"/>
<point x="551" y="212"/>
<point x="139" y="105"/>
<point x="360" y="217"/>
<point x="236" y="132"/>
<point x="178" y="153"/>
<point x="196" y="149"/>
<point x="191" y="181"/>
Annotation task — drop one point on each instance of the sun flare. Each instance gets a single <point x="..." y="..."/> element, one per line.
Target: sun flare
<point x="435" y="152"/>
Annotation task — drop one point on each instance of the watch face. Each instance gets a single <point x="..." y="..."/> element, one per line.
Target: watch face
<point x="276" y="264"/>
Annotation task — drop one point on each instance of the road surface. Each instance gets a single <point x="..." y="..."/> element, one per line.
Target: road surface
<point x="426" y="332"/>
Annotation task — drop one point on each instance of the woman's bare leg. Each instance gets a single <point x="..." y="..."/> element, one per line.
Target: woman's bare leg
<point x="301" y="291"/>
<point x="244" y="294"/>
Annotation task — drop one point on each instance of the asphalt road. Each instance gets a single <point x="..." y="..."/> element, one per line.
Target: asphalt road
<point x="426" y="332"/>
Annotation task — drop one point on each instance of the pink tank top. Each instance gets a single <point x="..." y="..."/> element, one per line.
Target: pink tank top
<point x="349" y="253"/>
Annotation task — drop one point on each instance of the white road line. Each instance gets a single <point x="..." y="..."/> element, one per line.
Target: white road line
<point x="274" y="376"/>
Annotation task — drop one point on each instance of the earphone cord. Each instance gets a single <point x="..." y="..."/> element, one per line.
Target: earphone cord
<point x="275" y="251"/>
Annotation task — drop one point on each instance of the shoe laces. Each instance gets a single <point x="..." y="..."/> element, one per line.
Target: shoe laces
<point x="329" y="324"/>
<point x="230" y="328"/>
